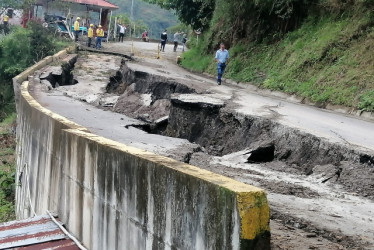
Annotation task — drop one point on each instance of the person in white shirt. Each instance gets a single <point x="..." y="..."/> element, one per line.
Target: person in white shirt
<point x="122" y="30"/>
<point x="222" y="57"/>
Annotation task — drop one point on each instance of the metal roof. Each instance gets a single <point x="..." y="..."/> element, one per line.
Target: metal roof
<point x="38" y="232"/>
<point x="99" y="3"/>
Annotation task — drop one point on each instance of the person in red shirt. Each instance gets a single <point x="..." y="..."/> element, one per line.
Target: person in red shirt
<point x="145" y="36"/>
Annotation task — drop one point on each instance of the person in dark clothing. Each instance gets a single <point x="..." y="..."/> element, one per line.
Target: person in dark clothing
<point x="184" y="41"/>
<point x="164" y="38"/>
<point x="176" y="41"/>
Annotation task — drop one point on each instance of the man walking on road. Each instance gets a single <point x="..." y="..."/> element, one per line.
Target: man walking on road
<point x="164" y="38"/>
<point x="76" y="28"/>
<point x="222" y="57"/>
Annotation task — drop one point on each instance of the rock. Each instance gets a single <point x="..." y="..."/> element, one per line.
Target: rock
<point x="46" y="85"/>
<point x="108" y="101"/>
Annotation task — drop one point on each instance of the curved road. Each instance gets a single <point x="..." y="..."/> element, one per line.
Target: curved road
<point x="333" y="209"/>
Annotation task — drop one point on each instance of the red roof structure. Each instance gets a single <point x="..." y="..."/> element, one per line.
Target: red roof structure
<point x="38" y="232"/>
<point x="99" y="3"/>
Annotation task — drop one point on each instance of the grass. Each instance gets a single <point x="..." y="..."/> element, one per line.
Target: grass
<point x="196" y="60"/>
<point x="7" y="169"/>
<point x="327" y="60"/>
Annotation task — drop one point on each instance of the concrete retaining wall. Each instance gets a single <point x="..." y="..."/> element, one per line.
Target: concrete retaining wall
<point x="111" y="196"/>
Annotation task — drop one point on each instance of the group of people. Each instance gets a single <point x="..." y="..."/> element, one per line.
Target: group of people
<point x="179" y="37"/>
<point x="92" y="32"/>
<point x="221" y="57"/>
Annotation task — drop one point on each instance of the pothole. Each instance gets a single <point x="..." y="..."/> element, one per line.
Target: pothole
<point x="61" y="75"/>
<point x="144" y="96"/>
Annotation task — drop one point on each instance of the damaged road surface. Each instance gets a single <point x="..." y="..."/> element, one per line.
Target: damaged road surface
<point x="316" y="166"/>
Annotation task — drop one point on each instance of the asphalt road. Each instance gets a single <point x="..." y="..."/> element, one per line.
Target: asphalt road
<point x="337" y="127"/>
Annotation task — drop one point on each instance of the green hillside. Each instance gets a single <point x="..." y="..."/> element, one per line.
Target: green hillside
<point x="321" y="50"/>
<point x="156" y="18"/>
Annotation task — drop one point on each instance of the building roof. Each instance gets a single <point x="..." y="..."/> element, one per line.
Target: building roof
<point x="39" y="232"/>
<point x="98" y="3"/>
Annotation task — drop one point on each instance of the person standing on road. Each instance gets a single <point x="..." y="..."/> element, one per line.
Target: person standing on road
<point x="100" y="35"/>
<point x="176" y="41"/>
<point x="184" y="41"/>
<point x="122" y="30"/>
<point x="222" y="57"/>
<point x="90" y="35"/>
<point x="164" y="38"/>
<point x="6" y="20"/>
<point x="6" y="24"/>
<point x="76" y="28"/>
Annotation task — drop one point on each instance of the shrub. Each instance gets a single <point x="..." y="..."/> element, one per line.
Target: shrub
<point x="18" y="50"/>
<point x="367" y="101"/>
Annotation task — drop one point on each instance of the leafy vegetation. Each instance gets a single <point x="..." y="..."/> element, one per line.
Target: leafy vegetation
<point x="180" y="28"/>
<point x="154" y="18"/>
<point x="19" y="50"/>
<point x="15" y="4"/>
<point x="196" y="13"/>
<point x="7" y="169"/>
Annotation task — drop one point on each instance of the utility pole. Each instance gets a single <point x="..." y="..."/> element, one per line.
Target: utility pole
<point x="132" y="10"/>
<point x="132" y="14"/>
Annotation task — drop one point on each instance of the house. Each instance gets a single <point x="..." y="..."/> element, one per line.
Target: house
<point x="90" y="11"/>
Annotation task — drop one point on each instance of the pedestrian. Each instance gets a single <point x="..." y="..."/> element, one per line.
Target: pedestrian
<point x="176" y="41"/>
<point x="90" y="34"/>
<point x="122" y="30"/>
<point x="145" y="36"/>
<point x="184" y="41"/>
<point x="164" y="38"/>
<point x="6" y="20"/>
<point x="76" y="28"/>
<point x="222" y="57"/>
<point x="6" y="24"/>
<point x="100" y="35"/>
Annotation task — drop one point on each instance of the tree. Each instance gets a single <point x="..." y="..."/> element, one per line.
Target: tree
<point x="14" y="4"/>
<point x="196" y="13"/>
